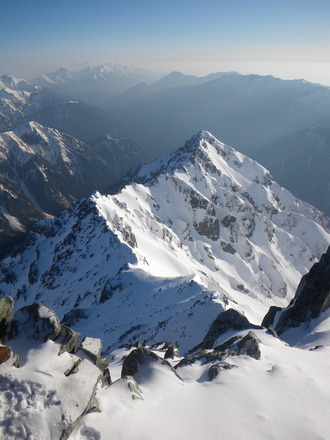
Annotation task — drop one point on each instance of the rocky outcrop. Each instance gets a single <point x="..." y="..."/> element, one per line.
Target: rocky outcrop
<point x="238" y="345"/>
<point x="209" y="227"/>
<point x="140" y="358"/>
<point x="216" y="369"/>
<point x="249" y="346"/>
<point x="36" y="321"/>
<point x="78" y="373"/>
<point x="270" y="316"/>
<point x="170" y="353"/>
<point x="6" y="309"/>
<point x="92" y="347"/>
<point x="69" y="339"/>
<point x="311" y="299"/>
<point x="227" y="320"/>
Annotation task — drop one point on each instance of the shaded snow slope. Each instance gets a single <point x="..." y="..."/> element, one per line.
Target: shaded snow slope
<point x="191" y="234"/>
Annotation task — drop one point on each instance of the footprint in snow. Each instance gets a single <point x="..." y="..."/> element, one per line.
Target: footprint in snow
<point x="90" y="433"/>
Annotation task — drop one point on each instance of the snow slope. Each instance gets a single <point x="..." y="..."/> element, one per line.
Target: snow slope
<point x="39" y="400"/>
<point x="283" y="395"/>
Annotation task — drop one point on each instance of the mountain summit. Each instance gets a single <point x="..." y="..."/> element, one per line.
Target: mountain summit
<point x="191" y="234"/>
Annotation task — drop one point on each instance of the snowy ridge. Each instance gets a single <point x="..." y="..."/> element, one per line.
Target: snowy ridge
<point x="197" y="232"/>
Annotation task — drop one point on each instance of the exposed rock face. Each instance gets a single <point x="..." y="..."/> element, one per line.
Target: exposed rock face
<point x="6" y="309"/>
<point x="34" y="322"/>
<point x="249" y="346"/>
<point x="238" y="345"/>
<point x="170" y="353"/>
<point x="229" y="319"/>
<point x="141" y="357"/>
<point x="69" y="339"/>
<point x="311" y="299"/>
<point x="270" y="316"/>
<point x="209" y="227"/>
<point x="216" y="369"/>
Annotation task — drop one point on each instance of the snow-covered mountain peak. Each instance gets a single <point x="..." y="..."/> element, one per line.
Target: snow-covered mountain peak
<point x="60" y="75"/>
<point x="31" y="138"/>
<point x="111" y="69"/>
<point x="205" y="164"/>
<point x="14" y="83"/>
<point x="191" y="234"/>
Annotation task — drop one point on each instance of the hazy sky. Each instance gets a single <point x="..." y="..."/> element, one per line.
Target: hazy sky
<point x="286" y="38"/>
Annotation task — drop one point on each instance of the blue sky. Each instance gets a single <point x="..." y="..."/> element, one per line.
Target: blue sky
<point x="286" y="38"/>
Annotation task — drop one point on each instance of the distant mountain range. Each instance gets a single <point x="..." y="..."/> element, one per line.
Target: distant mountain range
<point x="20" y="101"/>
<point x="95" y="84"/>
<point x="247" y="111"/>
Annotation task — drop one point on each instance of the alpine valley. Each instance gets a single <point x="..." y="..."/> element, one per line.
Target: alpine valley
<point x="183" y="281"/>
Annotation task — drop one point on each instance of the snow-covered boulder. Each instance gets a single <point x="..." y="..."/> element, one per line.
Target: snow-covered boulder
<point x="36" y="321"/>
<point x="141" y="360"/>
<point x="216" y="369"/>
<point x="227" y="320"/>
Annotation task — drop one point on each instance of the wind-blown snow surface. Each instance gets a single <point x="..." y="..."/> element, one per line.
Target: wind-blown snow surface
<point x="283" y="395"/>
<point x="198" y="231"/>
<point x="39" y="400"/>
